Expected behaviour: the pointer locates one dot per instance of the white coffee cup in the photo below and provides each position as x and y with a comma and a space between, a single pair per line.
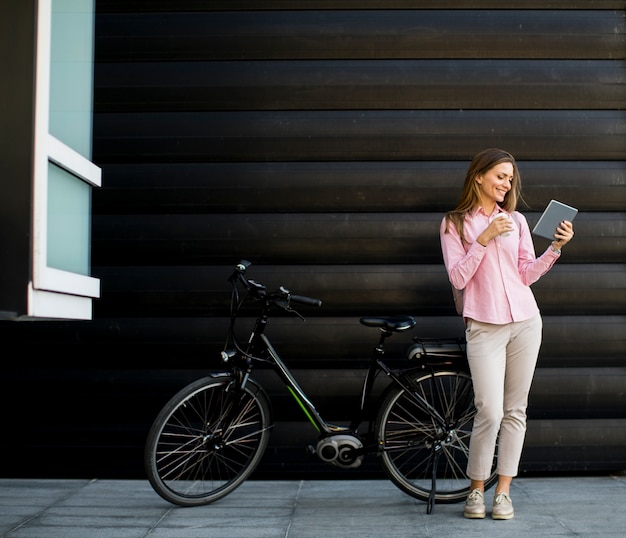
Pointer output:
503, 216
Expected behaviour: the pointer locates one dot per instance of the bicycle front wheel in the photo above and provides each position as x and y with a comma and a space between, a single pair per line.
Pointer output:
207, 440
416, 451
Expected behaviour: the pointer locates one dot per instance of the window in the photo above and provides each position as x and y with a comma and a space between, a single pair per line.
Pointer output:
64, 175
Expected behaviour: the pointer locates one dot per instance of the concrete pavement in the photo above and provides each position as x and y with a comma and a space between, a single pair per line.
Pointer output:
548, 506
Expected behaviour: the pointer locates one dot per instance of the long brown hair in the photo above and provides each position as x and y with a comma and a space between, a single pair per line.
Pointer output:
470, 196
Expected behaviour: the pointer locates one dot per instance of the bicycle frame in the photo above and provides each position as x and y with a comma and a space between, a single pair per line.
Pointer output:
258, 338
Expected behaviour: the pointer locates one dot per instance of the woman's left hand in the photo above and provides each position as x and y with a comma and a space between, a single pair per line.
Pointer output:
564, 234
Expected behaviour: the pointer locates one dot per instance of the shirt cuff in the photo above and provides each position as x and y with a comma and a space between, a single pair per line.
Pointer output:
554, 252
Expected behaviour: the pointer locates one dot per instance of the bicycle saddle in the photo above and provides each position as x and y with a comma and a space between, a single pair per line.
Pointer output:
390, 323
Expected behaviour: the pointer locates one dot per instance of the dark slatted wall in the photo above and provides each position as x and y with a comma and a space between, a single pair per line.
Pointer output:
323, 141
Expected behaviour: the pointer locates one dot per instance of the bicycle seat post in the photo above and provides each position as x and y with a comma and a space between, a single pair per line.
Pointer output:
379, 350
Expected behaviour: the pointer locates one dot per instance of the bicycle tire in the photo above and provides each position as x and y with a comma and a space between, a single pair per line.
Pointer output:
410, 440
197, 450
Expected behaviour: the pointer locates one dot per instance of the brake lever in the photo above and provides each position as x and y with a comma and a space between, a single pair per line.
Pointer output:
289, 309
284, 304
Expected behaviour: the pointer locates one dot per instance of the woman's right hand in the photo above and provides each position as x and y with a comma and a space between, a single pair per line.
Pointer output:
498, 226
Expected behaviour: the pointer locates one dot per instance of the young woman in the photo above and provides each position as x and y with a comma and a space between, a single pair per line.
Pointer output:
489, 254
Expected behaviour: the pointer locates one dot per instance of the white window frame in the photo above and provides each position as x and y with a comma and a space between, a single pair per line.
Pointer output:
53, 292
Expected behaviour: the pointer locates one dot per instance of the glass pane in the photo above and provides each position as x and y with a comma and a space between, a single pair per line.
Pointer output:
71, 73
69, 221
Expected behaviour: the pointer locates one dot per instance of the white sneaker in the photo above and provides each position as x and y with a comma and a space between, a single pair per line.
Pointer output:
475, 505
502, 507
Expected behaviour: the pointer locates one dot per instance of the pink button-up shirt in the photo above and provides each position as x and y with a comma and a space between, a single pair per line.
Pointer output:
496, 278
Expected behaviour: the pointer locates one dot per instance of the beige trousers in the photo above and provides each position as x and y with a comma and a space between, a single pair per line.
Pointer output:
502, 361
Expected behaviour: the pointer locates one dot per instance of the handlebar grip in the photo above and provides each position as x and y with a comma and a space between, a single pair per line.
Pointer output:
305, 300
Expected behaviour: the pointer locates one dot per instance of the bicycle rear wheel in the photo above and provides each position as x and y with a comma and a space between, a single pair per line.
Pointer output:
413, 443
206, 441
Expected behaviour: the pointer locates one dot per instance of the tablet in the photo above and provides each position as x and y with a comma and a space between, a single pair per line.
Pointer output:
552, 216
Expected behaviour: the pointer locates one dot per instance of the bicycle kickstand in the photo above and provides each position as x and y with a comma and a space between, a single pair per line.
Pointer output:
433, 481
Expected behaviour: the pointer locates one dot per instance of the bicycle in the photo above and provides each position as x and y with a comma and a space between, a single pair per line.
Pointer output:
211, 435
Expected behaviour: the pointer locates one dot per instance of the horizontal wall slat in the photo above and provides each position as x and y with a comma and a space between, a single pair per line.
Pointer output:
554, 394
582, 393
586, 445
341, 85
313, 238
187, 343
303, 187
550, 446
133, 6
365, 34
583, 289
355, 135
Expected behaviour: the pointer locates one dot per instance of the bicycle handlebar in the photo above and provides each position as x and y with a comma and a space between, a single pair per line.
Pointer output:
260, 292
